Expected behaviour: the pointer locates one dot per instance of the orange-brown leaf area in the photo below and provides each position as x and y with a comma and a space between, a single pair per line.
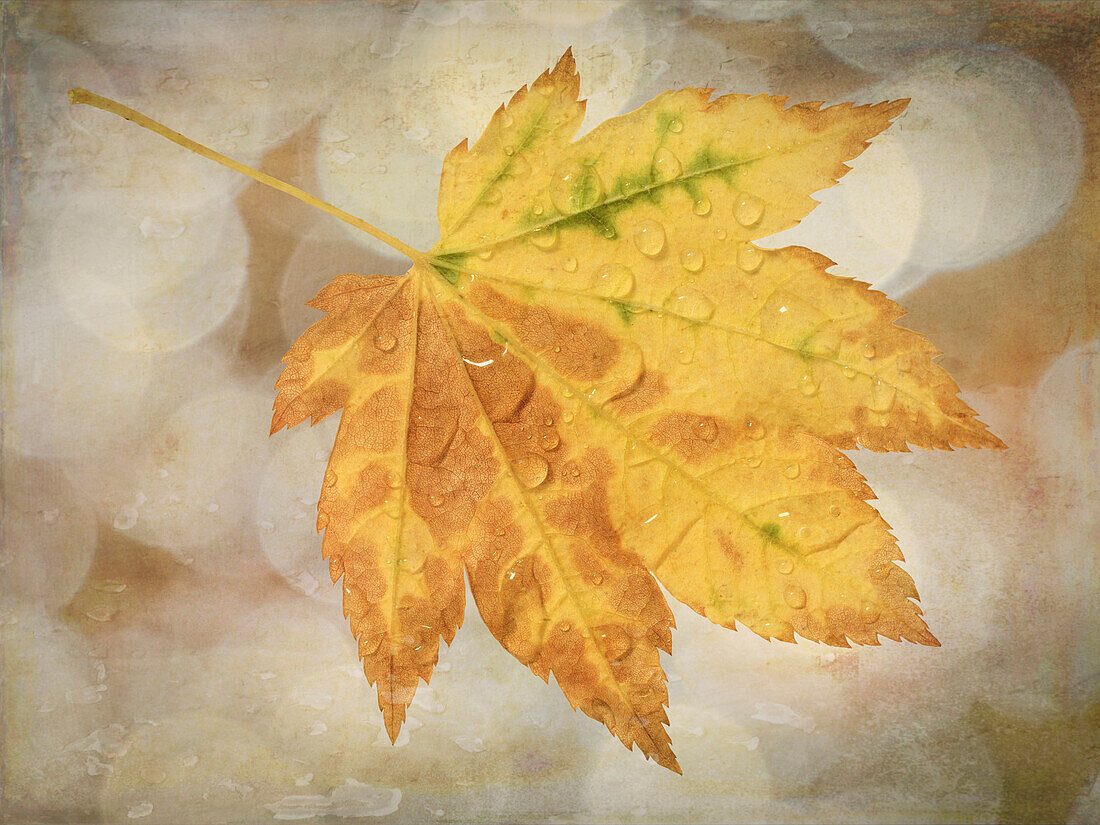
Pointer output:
596, 381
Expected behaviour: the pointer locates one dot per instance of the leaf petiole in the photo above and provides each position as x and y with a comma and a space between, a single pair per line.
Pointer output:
114, 107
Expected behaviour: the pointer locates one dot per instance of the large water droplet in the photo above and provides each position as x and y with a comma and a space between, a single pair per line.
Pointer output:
613, 281
808, 386
649, 237
692, 260
868, 350
690, 303
575, 187
666, 166
882, 396
701, 207
748, 209
795, 597
550, 440
531, 470
545, 238
676, 125
791, 470
784, 566
749, 257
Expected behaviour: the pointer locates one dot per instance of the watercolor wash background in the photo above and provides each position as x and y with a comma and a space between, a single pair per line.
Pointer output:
172, 648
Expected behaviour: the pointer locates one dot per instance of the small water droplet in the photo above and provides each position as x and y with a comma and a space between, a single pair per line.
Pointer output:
506, 119
754, 429
808, 386
754, 461
538, 209
436, 501
565, 627
707, 429
511, 574
548, 421
486, 253
545, 238
613, 281
795, 597
597, 579
393, 481
850, 372
834, 511
666, 166
550, 440
649, 237
879, 571
531, 470
784, 566
701, 207
803, 533
384, 341
509, 150
676, 125
868, 351
720, 234
749, 257
685, 355
791, 470
882, 396
690, 303
575, 187
569, 265
869, 612
748, 209
498, 531
692, 260
567, 417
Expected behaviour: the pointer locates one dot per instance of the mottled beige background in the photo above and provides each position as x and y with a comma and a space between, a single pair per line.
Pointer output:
172, 649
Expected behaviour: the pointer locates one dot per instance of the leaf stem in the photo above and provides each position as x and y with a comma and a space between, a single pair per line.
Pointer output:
114, 107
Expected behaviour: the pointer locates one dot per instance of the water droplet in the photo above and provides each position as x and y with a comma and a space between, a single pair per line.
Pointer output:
692, 260
701, 207
575, 187
795, 597
748, 209
690, 303
649, 237
567, 417
882, 396
834, 511
531, 470
676, 125
868, 351
685, 355
808, 386
486, 253
613, 281
784, 566
749, 257
879, 571
754, 429
506, 119
548, 421
498, 531
545, 238
384, 341
565, 627
754, 461
550, 440
538, 209
850, 372
511, 574
436, 501
393, 481
707, 429
509, 150
720, 234
569, 265
791, 470
666, 166
597, 579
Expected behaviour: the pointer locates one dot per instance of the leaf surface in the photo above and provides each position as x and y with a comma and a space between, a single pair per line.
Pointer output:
596, 381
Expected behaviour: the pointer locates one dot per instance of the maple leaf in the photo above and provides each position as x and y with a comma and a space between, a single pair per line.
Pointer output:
595, 381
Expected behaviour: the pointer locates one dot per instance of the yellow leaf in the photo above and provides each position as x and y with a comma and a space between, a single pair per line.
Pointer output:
596, 378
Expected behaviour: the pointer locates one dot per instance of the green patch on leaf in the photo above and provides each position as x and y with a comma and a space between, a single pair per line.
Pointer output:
626, 314
770, 530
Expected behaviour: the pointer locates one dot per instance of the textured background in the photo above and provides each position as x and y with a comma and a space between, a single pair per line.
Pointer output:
172, 648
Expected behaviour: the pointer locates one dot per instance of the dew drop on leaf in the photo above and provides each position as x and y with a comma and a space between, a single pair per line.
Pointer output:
850, 372
707, 430
692, 260
531, 470
749, 257
869, 612
754, 429
808, 386
545, 238
784, 566
550, 440
384, 341
486, 253
569, 265
676, 125
720, 234
748, 209
690, 303
834, 511
868, 351
795, 597
701, 207
649, 237
882, 396
575, 187
791, 470
613, 280
565, 627
666, 166
435, 501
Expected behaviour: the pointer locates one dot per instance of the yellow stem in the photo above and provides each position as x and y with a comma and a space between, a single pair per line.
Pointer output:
116, 108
